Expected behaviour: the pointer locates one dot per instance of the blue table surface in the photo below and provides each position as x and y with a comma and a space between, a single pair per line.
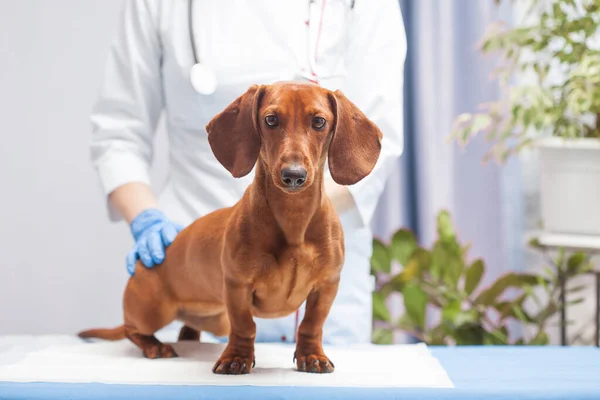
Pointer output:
506, 373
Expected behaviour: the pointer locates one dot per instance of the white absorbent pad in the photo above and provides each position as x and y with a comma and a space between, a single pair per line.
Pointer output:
122, 363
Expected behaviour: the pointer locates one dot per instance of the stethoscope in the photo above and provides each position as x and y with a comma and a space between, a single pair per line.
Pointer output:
203, 78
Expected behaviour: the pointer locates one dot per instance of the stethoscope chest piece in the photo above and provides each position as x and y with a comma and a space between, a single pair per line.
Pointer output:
203, 79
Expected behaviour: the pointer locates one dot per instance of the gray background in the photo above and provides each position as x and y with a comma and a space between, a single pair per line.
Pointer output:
62, 263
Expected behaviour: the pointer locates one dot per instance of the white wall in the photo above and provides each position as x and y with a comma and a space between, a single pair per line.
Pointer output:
62, 264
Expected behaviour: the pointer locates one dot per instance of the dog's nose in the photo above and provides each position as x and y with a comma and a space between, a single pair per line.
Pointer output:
293, 176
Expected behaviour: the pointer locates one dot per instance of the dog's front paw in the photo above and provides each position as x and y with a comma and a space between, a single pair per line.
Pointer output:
314, 363
233, 365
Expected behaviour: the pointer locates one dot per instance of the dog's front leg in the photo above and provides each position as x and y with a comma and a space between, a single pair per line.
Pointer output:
238, 357
309, 353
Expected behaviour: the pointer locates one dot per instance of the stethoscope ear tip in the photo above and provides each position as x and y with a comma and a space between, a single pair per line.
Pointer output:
203, 79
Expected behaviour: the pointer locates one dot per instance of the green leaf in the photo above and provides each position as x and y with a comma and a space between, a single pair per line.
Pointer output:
380, 310
406, 323
576, 301
396, 284
468, 335
575, 263
560, 259
576, 289
444, 226
550, 273
551, 309
467, 317
436, 336
438, 257
455, 268
380, 260
527, 117
419, 261
447, 262
403, 245
436, 297
383, 336
496, 336
543, 282
480, 122
447, 256
535, 243
491, 294
415, 302
473, 276
558, 13
540, 339
532, 294
465, 249
521, 315
504, 308
517, 112
451, 311
513, 309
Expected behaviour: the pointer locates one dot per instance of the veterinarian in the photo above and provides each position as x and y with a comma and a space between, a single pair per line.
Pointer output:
188, 59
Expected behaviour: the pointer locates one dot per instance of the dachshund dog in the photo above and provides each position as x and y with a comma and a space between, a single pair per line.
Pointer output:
282, 244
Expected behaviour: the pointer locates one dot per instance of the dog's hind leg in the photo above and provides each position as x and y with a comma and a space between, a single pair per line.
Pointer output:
188, 333
217, 324
203, 317
148, 308
140, 328
150, 345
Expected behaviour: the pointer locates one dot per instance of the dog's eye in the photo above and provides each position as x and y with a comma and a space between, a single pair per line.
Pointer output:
319, 122
271, 120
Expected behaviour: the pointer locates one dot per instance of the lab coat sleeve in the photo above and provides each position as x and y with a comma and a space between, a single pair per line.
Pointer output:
376, 55
126, 113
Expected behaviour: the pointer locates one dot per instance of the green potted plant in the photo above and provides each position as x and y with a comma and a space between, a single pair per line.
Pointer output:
550, 78
446, 301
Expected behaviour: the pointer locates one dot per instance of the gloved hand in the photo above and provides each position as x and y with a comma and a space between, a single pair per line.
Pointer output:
152, 232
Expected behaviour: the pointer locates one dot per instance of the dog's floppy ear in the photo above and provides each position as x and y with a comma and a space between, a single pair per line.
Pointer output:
355, 144
233, 134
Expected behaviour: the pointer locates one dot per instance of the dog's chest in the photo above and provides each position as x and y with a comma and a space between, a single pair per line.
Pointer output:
286, 280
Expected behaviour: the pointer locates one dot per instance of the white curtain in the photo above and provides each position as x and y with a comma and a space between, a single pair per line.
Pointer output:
447, 75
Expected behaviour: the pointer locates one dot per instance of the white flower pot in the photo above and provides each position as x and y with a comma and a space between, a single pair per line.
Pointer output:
570, 185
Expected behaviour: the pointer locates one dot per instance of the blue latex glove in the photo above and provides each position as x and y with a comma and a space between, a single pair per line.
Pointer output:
152, 232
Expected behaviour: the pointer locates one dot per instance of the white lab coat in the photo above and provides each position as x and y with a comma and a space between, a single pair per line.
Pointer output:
360, 51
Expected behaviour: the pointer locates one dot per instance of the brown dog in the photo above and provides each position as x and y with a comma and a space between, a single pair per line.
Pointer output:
280, 245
